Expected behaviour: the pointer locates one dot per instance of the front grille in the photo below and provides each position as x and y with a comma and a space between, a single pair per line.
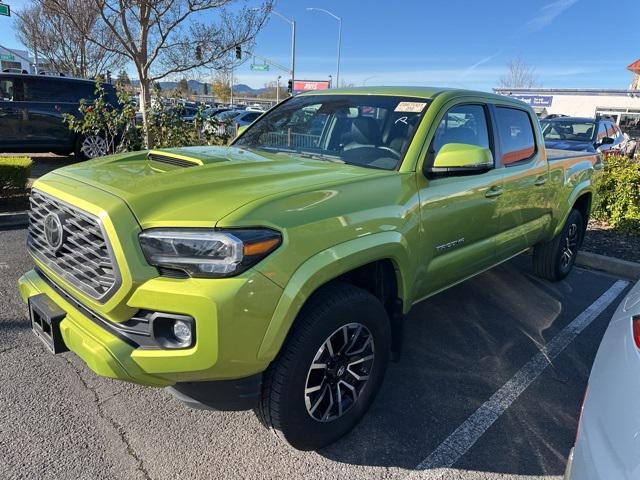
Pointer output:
83, 257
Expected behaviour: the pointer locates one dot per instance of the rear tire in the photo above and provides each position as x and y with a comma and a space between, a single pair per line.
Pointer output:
338, 349
553, 260
90, 146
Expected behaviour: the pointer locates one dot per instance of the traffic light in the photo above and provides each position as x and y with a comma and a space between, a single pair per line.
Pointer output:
290, 87
238, 52
198, 53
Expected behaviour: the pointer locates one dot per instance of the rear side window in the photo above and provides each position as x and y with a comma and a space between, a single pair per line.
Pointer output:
463, 124
56, 90
516, 135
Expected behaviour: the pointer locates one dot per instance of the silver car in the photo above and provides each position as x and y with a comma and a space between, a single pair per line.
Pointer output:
608, 441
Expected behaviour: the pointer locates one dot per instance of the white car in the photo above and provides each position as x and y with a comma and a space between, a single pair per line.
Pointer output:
608, 440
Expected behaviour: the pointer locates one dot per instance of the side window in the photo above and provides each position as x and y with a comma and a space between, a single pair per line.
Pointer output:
7, 91
40, 90
250, 117
463, 124
517, 140
602, 131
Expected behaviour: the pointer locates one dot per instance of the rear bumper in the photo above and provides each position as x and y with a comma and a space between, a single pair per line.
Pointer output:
227, 338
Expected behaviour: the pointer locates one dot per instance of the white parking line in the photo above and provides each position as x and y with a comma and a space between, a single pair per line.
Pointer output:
437, 464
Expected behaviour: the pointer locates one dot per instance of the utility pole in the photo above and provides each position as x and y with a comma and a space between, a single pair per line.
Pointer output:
278, 89
231, 82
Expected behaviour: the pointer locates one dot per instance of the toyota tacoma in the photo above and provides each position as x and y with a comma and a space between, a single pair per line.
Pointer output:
275, 274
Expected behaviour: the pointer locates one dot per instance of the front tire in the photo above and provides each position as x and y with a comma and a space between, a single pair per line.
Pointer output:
554, 259
328, 370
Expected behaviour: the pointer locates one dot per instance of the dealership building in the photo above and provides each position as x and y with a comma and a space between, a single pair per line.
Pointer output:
15, 60
621, 105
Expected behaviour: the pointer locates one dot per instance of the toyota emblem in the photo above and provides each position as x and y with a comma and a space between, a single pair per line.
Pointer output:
53, 232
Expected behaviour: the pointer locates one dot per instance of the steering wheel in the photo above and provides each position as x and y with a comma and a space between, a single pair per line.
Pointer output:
393, 151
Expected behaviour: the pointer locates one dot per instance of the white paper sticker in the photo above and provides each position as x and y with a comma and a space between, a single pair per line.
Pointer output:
410, 107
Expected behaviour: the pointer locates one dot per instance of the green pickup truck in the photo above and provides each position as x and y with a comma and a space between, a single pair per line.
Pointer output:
276, 273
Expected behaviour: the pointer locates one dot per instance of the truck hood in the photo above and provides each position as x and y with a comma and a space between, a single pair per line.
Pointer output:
198, 186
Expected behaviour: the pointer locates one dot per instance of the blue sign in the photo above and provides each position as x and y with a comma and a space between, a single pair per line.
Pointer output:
536, 100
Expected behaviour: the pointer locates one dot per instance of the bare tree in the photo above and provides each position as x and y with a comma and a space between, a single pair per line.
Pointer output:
520, 75
165, 37
63, 44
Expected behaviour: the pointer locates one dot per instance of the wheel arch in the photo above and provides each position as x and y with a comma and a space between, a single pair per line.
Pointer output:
583, 204
377, 263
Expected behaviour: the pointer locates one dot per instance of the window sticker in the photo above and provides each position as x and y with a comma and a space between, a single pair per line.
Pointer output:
410, 107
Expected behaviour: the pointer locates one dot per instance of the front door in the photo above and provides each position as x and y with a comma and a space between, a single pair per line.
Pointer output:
458, 213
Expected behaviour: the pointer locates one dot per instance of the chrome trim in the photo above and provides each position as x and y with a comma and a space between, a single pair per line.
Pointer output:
86, 259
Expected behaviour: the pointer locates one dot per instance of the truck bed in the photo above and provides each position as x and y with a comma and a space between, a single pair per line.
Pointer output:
555, 154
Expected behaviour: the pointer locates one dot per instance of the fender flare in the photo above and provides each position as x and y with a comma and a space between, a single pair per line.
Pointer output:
583, 188
326, 266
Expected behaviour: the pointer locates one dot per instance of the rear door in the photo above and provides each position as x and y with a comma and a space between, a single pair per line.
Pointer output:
524, 209
47, 99
457, 212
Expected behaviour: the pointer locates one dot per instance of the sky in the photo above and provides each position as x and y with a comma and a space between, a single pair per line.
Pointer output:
458, 43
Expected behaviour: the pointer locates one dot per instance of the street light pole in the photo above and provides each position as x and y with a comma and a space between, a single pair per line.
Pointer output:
293, 43
278, 89
339, 38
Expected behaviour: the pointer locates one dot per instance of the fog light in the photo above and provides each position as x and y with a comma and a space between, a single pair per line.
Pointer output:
182, 331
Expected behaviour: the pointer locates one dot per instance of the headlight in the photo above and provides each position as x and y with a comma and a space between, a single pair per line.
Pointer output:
208, 253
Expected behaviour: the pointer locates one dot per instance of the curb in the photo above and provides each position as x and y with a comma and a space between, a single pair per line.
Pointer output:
611, 265
14, 219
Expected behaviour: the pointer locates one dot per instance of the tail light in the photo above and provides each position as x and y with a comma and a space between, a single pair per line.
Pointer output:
635, 321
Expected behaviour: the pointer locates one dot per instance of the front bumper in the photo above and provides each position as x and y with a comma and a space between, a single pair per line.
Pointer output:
231, 316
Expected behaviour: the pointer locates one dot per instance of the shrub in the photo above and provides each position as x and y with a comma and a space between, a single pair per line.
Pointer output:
116, 124
14, 173
617, 199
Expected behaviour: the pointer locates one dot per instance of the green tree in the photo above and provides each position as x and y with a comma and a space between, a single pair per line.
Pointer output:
182, 88
123, 80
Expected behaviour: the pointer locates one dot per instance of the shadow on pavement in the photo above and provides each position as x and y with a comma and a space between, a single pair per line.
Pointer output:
460, 347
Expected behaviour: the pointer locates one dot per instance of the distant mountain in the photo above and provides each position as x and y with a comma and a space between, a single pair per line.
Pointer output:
198, 87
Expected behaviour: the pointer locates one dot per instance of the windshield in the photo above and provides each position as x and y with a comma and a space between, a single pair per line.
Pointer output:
366, 130
227, 115
573, 131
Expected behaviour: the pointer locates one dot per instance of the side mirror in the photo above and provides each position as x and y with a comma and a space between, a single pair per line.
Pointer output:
462, 159
606, 141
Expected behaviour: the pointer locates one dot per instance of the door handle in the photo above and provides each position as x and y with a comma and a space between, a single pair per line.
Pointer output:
540, 181
494, 192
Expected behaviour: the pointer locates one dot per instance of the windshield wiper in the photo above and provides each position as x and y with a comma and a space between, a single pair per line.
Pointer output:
314, 156
320, 156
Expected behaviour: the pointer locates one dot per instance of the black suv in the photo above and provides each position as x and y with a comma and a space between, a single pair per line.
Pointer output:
582, 134
31, 108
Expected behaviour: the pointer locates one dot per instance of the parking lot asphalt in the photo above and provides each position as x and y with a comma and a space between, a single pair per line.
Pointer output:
58, 420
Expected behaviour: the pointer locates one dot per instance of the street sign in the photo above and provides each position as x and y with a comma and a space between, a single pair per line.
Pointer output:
8, 57
260, 68
5, 10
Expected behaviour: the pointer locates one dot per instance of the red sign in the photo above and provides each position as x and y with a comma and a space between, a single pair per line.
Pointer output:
300, 86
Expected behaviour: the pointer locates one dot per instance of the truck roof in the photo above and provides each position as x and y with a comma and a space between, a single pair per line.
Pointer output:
405, 91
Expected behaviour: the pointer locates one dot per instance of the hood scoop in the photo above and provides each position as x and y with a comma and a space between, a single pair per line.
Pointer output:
178, 161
